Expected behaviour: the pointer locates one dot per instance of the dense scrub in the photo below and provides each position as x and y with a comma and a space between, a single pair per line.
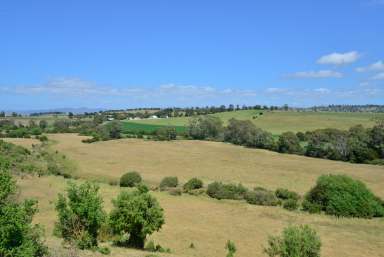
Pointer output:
192, 184
260, 196
130, 179
219, 191
80, 215
40, 160
18, 237
169, 182
295, 241
135, 215
341, 195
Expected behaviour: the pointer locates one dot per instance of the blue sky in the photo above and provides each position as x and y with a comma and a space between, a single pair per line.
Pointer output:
120, 54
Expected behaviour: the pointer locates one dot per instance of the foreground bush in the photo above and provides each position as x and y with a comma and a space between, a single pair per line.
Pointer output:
341, 195
192, 184
130, 179
18, 237
135, 215
80, 215
296, 241
169, 182
261, 197
219, 191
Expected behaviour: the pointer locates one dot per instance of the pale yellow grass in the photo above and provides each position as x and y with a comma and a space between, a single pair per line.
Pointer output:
207, 160
209, 223
24, 142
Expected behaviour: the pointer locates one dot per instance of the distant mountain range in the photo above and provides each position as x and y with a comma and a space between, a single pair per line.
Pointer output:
79, 110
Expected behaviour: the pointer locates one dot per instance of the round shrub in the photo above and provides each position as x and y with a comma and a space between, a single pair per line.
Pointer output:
169, 182
136, 213
130, 179
192, 184
219, 191
341, 195
285, 194
298, 241
291, 204
261, 197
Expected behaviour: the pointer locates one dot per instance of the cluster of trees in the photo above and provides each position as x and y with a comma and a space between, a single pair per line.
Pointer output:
81, 217
144, 113
358, 144
347, 108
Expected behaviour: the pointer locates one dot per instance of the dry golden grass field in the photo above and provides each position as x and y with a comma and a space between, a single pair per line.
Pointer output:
206, 222
24, 142
209, 161
209, 223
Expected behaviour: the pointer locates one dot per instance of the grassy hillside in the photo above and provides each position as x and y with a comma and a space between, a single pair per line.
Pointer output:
210, 161
205, 222
209, 223
277, 121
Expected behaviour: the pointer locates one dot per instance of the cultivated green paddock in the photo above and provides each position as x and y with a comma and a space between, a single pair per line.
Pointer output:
277, 122
132, 127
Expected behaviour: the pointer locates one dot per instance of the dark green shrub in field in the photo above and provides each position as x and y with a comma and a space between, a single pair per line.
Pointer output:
341, 195
80, 215
231, 248
219, 191
192, 184
169, 182
136, 214
289, 143
130, 179
18, 237
291, 204
296, 241
285, 194
261, 197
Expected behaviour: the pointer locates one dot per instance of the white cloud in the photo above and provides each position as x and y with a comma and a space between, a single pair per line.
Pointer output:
315, 74
379, 76
377, 66
322, 90
339, 58
75, 87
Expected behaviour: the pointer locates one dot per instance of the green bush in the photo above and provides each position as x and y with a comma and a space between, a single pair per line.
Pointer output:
291, 204
219, 191
169, 182
289, 143
80, 215
285, 194
192, 184
130, 179
18, 237
296, 241
104, 250
261, 197
136, 214
231, 248
341, 195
